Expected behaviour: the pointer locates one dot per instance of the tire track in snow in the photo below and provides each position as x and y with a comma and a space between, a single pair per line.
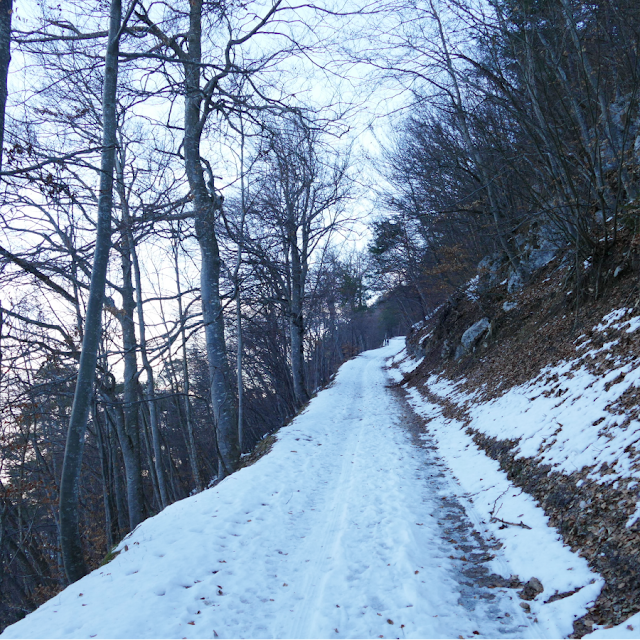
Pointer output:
328, 540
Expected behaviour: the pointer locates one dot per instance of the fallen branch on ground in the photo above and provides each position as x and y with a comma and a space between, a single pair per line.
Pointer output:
513, 524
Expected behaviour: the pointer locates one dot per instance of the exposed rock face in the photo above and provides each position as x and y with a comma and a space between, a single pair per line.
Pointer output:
542, 256
473, 334
515, 282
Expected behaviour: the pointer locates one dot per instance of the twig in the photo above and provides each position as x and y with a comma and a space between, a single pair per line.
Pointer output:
513, 524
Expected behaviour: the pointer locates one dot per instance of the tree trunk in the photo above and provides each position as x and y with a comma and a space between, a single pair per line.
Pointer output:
193, 457
70, 542
150, 391
243, 205
296, 326
6, 11
205, 206
130, 435
106, 484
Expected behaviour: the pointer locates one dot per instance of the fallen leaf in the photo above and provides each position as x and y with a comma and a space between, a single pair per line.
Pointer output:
389, 621
416, 572
192, 622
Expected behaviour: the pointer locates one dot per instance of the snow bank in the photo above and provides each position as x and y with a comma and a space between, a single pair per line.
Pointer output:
535, 551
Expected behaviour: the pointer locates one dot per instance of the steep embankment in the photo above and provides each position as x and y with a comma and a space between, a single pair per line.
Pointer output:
547, 385
352, 526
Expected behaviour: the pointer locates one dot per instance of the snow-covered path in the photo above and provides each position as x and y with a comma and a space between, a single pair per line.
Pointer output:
338, 532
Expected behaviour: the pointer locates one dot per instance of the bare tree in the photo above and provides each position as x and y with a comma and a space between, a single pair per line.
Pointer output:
302, 192
75, 566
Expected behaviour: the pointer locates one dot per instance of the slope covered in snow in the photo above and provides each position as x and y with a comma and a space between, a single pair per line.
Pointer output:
568, 436
345, 529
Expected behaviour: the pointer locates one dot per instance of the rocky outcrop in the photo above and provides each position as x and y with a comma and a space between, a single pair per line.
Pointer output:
471, 336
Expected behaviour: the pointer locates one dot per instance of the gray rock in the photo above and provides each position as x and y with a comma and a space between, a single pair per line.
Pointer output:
489, 270
473, 334
531, 589
542, 256
515, 282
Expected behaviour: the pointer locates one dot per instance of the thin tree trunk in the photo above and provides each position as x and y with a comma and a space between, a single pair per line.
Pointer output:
152, 467
118, 489
239, 382
106, 483
193, 456
70, 542
6, 11
150, 390
296, 328
130, 436
117, 496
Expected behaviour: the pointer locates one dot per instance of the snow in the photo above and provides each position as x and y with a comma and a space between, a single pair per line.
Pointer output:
610, 321
472, 289
563, 416
634, 517
536, 552
319, 535
566, 418
333, 534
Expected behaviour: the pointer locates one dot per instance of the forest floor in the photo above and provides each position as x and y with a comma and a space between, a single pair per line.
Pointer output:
357, 523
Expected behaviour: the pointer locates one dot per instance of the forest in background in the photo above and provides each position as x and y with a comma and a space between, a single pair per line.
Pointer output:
177, 258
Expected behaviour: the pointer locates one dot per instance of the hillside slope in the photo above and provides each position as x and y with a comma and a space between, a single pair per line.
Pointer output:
545, 381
